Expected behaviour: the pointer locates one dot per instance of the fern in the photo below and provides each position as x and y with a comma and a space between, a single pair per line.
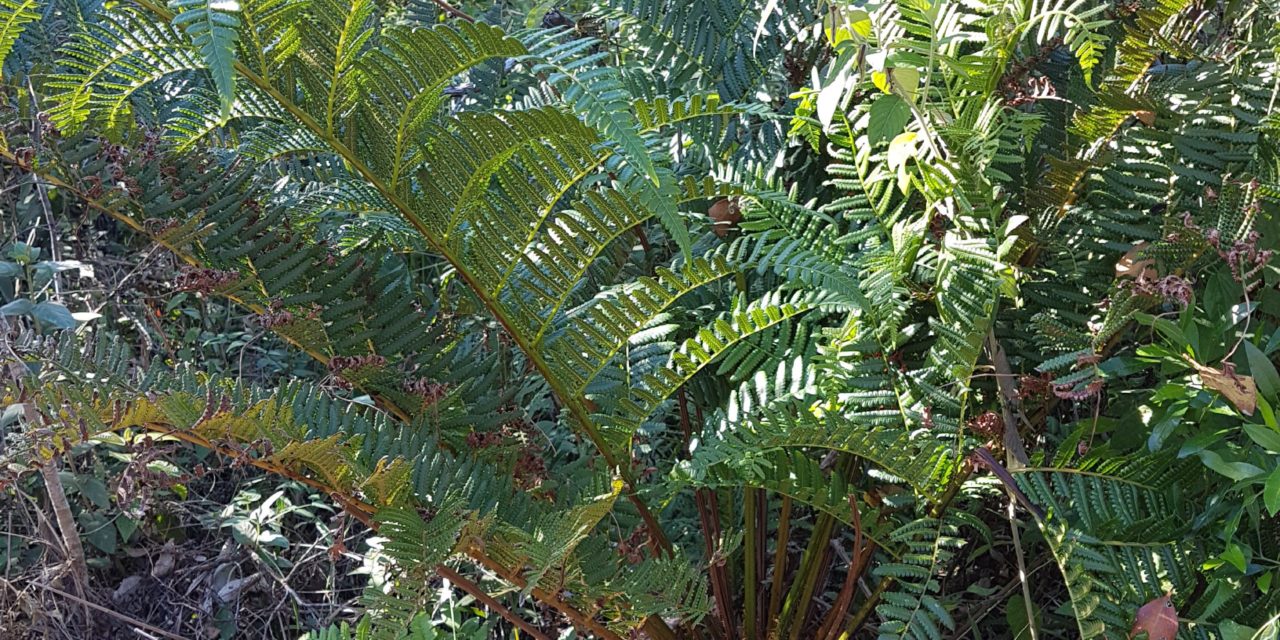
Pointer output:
14, 16
213, 29
913, 608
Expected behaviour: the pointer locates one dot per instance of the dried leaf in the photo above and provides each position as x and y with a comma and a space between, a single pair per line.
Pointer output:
1145, 117
1131, 265
725, 214
1237, 389
1157, 618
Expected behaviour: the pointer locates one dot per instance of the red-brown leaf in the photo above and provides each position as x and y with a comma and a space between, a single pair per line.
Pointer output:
1157, 618
724, 215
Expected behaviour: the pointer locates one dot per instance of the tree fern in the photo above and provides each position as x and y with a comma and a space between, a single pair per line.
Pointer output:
213, 29
14, 16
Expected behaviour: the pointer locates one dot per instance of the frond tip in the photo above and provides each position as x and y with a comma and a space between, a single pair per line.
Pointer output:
212, 27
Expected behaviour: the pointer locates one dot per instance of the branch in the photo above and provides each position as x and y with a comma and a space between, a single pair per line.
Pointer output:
453, 11
1013, 446
479, 594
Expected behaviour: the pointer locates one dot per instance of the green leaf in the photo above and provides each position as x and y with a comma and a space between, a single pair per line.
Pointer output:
99, 531
829, 99
1234, 555
1271, 492
901, 149
1266, 438
1235, 470
53, 315
8, 269
19, 307
906, 82
1264, 373
889, 114
1020, 623
126, 526
96, 491
1229, 630
213, 30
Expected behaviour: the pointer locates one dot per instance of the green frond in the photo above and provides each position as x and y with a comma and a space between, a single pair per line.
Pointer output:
592, 89
912, 608
696, 353
109, 62
923, 460
214, 30
597, 331
1117, 535
15, 15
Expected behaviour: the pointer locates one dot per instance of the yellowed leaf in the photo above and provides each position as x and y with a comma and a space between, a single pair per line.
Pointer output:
881, 80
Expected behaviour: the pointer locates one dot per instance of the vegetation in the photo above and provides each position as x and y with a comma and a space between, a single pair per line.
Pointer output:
643, 318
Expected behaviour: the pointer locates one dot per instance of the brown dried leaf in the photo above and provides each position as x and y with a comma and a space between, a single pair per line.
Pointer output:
1157, 618
1237, 389
1131, 266
1145, 117
725, 214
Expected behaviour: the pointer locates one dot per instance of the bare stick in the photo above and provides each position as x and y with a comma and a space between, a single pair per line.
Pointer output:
115, 614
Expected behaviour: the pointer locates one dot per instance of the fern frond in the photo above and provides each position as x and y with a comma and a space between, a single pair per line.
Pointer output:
15, 15
214, 30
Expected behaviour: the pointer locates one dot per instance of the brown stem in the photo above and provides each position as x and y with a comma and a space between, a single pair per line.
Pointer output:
984, 457
453, 11
66, 524
869, 605
579, 619
796, 606
861, 554
479, 594
755, 505
1013, 446
783, 538
709, 516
